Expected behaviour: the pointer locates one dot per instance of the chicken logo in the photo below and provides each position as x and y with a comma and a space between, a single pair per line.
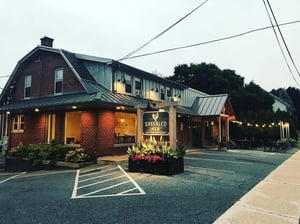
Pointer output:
155, 116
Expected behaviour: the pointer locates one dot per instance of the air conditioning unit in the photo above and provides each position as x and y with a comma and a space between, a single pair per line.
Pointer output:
169, 99
139, 92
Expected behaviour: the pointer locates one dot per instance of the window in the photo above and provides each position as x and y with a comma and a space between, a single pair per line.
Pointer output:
138, 87
128, 86
162, 93
58, 83
50, 127
125, 128
168, 92
27, 86
18, 123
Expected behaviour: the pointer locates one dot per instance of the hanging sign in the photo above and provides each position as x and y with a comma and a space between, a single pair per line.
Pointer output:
155, 123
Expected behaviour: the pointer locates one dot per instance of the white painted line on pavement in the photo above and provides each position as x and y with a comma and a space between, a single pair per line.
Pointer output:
93, 194
204, 168
132, 180
217, 160
90, 172
12, 177
100, 182
96, 177
75, 185
103, 189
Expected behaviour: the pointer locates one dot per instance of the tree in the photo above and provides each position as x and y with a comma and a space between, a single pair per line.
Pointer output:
250, 102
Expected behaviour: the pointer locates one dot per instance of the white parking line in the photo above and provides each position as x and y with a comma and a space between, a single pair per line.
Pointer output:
209, 169
12, 177
218, 160
97, 187
132, 180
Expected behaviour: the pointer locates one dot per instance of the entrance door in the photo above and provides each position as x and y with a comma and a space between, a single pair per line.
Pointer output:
196, 134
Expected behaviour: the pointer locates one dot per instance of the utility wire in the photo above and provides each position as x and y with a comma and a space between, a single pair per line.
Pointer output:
287, 49
211, 41
278, 41
161, 33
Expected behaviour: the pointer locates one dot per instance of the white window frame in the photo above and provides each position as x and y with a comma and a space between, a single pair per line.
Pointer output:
58, 77
18, 124
27, 84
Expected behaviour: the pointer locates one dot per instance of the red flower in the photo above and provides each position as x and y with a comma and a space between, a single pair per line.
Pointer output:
136, 157
147, 157
155, 158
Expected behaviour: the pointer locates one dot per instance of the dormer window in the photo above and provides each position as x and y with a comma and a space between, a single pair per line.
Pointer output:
58, 82
27, 86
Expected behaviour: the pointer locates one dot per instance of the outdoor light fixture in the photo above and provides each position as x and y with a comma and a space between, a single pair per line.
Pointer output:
74, 107
36, 109
8, 112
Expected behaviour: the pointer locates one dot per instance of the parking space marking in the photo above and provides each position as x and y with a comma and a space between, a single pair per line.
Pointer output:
209, 169
218, 160
106, 181
12, 177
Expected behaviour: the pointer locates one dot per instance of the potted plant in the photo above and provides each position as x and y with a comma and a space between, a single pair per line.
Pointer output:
152, 156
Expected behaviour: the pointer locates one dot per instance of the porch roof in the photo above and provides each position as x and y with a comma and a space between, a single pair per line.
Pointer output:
212, 105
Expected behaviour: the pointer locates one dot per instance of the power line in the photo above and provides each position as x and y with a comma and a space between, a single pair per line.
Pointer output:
285, 44
211, 41
161, 33
278, 41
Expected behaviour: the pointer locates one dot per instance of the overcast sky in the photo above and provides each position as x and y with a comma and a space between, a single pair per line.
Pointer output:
113, 28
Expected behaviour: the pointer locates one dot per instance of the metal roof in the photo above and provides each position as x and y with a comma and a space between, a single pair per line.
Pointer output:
98, 96
209, 105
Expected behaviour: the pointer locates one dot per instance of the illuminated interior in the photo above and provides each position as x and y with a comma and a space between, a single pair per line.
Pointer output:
72, 128
124, 127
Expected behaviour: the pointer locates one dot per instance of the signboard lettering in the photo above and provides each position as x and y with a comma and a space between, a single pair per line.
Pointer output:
155, 123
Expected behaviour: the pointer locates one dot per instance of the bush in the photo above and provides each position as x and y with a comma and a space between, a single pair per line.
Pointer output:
20, 151
77, 156
36, 153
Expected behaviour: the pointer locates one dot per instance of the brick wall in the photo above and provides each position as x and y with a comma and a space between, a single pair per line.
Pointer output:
106, 127
34, 130
42, 72
89, 131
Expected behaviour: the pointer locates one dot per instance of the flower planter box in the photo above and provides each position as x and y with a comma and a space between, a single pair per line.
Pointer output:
169, 166
16, 165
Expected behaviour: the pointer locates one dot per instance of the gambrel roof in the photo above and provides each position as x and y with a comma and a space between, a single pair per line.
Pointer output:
95, 94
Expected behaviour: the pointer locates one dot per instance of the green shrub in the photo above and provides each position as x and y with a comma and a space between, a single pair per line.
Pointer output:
77, 156
20, 151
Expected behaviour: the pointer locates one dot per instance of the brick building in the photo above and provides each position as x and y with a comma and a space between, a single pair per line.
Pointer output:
91, 102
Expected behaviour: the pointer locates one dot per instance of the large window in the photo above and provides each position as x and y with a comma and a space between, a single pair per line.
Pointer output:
18, 123
124, 128
50, 127
58, 82
72, 127
27, 86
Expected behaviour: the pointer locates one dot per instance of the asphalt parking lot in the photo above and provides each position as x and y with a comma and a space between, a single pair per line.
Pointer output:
211, 183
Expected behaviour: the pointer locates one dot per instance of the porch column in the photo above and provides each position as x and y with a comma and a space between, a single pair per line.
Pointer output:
139, 126
220, 129
203, 124
172, 126
227, 124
